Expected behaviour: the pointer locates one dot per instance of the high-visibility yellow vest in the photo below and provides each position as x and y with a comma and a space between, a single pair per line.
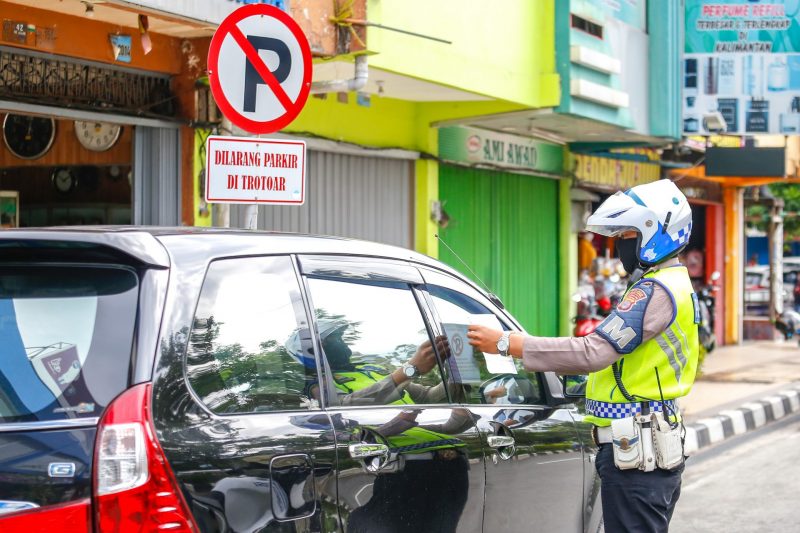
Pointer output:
673, 352
362, 377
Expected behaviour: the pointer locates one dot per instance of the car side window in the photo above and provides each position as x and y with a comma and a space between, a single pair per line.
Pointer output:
468, 367
368, 331
243, 353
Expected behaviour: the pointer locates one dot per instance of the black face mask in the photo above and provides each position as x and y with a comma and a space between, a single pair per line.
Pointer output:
338, 352
628, 253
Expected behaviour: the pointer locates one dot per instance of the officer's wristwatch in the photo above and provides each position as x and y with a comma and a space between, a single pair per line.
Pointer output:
410, 370
503, 343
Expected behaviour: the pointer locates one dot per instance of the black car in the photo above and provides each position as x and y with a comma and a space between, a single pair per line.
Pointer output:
180, 379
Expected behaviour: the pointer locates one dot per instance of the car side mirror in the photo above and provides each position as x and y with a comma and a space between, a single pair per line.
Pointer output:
507, 389
574, 386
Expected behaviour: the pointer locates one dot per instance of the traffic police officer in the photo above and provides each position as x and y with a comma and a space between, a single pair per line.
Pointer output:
641, 358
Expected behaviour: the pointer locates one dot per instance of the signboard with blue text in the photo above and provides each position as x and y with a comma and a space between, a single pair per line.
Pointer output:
742, 60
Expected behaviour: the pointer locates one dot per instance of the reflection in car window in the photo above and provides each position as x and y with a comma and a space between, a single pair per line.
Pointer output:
454, 307
65, 340
237, 361
367, 332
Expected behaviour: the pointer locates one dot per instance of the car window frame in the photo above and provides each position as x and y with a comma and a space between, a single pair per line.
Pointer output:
505, 320
304, 342
385, 271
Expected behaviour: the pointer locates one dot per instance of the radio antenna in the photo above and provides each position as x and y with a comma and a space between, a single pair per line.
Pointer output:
492, 296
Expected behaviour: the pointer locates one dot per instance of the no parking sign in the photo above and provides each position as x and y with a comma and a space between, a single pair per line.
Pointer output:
259, 68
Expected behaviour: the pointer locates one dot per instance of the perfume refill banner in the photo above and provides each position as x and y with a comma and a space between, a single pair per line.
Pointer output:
742, 59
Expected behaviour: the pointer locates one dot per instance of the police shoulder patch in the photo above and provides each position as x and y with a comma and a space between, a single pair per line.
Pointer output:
624, 327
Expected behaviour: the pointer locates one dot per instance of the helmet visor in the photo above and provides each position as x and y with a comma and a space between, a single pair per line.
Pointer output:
609, 231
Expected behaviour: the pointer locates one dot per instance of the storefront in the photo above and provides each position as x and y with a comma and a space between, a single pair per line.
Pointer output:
499, 196
89, 120
705, 253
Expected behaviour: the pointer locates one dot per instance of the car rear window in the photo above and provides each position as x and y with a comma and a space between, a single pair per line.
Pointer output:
66, 335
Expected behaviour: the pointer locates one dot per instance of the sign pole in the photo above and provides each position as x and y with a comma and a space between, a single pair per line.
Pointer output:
221, 212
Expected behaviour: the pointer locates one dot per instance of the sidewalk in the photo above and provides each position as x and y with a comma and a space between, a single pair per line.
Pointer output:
741, 388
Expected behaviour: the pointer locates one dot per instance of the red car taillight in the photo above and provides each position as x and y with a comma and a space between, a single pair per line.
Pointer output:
134, 488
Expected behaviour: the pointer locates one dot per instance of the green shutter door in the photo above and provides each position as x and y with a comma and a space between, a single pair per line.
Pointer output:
505, 226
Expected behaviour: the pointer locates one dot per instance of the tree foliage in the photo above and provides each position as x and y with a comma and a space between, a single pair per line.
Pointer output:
758, 214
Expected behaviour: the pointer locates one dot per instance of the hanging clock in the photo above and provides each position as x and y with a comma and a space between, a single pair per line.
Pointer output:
64, 180
97, 136
28, 137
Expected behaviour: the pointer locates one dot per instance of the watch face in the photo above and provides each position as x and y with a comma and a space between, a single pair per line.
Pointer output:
97, 136
28, 137
410, 371
502, 344
63, 180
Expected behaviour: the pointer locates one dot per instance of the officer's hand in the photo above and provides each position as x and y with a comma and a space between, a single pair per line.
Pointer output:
424, 359
483, 338
443, 347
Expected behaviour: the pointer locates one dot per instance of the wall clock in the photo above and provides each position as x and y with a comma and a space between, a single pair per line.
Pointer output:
64, 180
97, 136
28, 137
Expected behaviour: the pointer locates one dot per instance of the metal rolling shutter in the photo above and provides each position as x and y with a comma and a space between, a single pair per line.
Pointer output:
156, 186
349, 196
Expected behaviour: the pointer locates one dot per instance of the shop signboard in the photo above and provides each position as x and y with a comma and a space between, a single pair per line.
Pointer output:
610, 173
513, 152
742, 60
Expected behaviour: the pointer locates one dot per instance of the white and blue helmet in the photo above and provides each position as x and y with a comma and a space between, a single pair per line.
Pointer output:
326, 326
658, 211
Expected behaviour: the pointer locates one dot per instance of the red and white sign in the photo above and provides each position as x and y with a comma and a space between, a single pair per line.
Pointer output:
246, 170
259, 68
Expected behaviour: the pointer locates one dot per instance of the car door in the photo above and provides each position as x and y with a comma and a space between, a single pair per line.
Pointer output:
250, 449
533, 455
407, 459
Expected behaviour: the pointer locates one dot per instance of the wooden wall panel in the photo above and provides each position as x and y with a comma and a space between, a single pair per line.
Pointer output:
66, 150
89, 39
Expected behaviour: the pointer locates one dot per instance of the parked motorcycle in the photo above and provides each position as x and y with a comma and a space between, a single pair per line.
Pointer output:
596, 299
789, 324
706, 301
587, 317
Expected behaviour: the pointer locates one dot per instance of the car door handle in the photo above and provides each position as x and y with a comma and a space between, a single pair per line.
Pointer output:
364, 450
500, 441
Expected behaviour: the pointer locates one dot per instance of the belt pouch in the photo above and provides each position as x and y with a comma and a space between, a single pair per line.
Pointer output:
669, 444
627, 443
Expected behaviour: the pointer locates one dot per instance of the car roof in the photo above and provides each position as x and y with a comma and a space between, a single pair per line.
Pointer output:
150, 244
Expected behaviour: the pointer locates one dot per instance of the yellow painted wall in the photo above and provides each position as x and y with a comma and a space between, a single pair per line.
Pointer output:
504, 50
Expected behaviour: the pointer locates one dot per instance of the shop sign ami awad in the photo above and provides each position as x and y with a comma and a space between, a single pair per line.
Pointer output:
259, 65
742, 59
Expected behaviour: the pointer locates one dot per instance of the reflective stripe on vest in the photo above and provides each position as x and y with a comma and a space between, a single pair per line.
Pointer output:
674, 352
361, 378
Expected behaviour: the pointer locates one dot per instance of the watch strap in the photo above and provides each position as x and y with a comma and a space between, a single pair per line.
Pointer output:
506, 336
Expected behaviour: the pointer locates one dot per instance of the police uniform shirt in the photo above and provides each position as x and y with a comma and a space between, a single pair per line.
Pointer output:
582, 355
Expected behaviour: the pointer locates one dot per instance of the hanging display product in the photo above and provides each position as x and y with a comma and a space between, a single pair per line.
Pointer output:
28, 137
97, 136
